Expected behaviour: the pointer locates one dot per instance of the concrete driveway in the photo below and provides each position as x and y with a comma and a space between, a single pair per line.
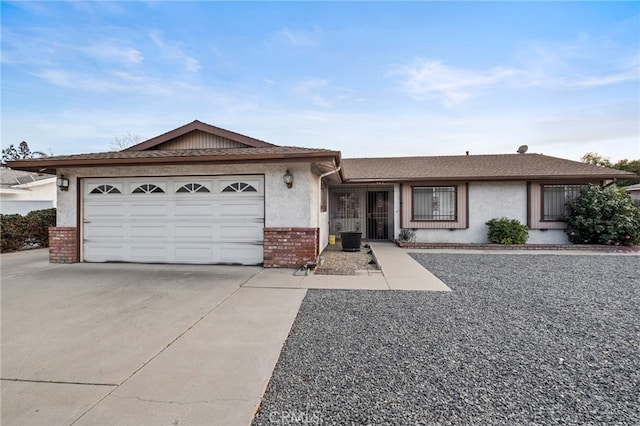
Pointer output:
136, 344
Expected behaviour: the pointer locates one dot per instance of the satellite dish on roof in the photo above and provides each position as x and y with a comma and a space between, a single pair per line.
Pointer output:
522, 149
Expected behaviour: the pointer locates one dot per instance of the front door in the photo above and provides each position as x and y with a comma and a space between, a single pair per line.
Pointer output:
378, 215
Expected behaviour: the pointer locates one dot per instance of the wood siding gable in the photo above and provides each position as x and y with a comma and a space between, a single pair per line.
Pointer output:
199, 140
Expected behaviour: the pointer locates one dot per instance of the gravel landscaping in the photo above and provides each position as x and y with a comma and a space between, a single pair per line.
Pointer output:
521, 339
334, 261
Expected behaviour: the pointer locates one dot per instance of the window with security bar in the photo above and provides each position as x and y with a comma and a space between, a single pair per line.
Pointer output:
434, 203
555, 199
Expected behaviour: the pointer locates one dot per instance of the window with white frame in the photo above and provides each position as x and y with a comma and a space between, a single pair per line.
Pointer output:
434, 203
555, 199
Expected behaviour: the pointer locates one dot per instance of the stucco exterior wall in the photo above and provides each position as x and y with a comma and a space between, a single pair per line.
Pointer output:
488, 200
284, 207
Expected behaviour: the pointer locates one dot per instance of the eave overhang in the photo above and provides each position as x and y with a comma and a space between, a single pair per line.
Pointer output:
52, 165
560, 177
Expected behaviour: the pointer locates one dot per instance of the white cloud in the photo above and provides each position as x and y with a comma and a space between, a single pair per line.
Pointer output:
70, 79
433, 79
319, 92
123, 82
623, 76
297, 38
174, 52
112, 51
310, 91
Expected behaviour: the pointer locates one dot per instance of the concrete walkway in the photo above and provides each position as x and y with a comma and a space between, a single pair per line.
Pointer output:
398, 272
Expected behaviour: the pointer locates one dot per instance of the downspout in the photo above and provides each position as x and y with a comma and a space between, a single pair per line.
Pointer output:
320, 189
320, 198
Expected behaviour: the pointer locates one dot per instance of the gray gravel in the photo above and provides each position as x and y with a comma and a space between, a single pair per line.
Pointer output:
521, 339
334, 261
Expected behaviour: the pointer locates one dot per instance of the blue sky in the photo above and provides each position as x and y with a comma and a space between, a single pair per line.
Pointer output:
368, 78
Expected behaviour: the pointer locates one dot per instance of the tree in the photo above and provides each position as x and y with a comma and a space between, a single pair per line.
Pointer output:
603, 216
123, 142
11, 153
596, 159
632, 166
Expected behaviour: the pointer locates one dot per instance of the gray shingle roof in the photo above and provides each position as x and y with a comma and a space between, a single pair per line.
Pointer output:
10, 177
473, 167
270, 153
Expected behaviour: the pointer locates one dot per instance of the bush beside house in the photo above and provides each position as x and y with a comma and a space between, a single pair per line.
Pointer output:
507, 231
603, 216
19, 232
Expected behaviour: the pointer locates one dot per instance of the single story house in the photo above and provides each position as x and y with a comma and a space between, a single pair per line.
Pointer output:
202, 194
22, 192
634, 191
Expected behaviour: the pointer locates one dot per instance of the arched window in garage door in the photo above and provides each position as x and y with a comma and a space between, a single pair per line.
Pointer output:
192, 188
105, 189
147, 188
239, 187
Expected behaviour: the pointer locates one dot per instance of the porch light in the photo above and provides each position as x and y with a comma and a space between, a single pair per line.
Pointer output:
288, 179
63, 183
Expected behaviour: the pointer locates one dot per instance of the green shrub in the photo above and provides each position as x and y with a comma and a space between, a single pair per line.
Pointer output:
30, 230
38, 223
603, 216
507, 231
407, 235
14, 230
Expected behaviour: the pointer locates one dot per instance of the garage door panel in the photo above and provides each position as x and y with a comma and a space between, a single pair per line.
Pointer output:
97, 209
184, 224
155, 209
196, 230
246, 208
105, 230
149, 230
241, 231
104, 252
194, 208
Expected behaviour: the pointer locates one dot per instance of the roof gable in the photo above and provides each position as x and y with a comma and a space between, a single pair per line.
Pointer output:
199, 135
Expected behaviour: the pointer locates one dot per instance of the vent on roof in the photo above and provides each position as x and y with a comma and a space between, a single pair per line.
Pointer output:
522, 149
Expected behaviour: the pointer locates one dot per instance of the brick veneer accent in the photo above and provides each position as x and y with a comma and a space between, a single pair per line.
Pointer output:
63, 245
290, 247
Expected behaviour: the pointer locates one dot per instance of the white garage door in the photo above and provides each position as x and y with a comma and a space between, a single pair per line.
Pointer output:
213, 219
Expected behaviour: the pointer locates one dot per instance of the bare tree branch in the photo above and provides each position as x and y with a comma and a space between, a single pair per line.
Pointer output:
123, 142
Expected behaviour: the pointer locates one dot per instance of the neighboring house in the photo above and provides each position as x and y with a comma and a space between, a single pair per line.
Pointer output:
22, 192
634, 191
201, 194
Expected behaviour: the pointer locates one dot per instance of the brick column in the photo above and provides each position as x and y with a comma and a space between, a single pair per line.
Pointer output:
63, 245
290, 247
